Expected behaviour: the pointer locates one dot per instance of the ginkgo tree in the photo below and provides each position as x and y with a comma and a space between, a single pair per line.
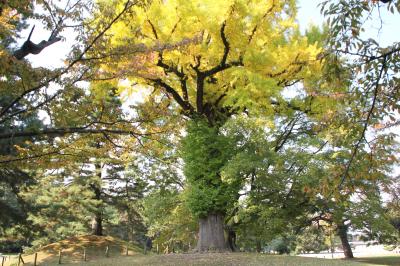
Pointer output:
210, 60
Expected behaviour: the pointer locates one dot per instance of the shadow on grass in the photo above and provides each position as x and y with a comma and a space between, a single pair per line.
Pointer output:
219, 259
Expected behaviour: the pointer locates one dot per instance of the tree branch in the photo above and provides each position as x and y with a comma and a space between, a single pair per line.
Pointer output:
223, 63
29, 157
180, 74
202, 75
75, 61
293, 107
283, 138
369, 115
185, 106
153, 29
253, 32
31, 48
65, 131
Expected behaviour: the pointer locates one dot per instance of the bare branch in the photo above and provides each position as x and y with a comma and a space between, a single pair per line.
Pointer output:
65, 131
185, 105
180, 74
31, 48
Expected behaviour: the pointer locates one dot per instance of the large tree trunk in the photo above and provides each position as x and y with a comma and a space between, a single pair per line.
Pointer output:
211, 233
342, 232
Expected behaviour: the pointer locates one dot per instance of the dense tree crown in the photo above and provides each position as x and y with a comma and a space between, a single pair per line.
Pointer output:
213, 58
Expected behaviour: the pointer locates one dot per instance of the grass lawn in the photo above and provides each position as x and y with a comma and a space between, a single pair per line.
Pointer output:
216, 259
384, 260
219, 259
95, 247
73, 249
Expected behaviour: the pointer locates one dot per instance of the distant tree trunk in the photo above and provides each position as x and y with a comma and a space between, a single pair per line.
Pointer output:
149, 243
258, 246
166, 251
97, 221
342, 232
232, 239
211, 233
97, 225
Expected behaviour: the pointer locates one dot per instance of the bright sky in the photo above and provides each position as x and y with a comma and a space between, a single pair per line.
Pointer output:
309, 13
386, 34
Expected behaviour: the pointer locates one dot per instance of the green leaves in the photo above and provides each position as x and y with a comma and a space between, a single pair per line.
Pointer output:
205, 151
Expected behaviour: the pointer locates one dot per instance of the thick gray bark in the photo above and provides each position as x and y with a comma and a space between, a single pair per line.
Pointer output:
211, 234
342, 232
